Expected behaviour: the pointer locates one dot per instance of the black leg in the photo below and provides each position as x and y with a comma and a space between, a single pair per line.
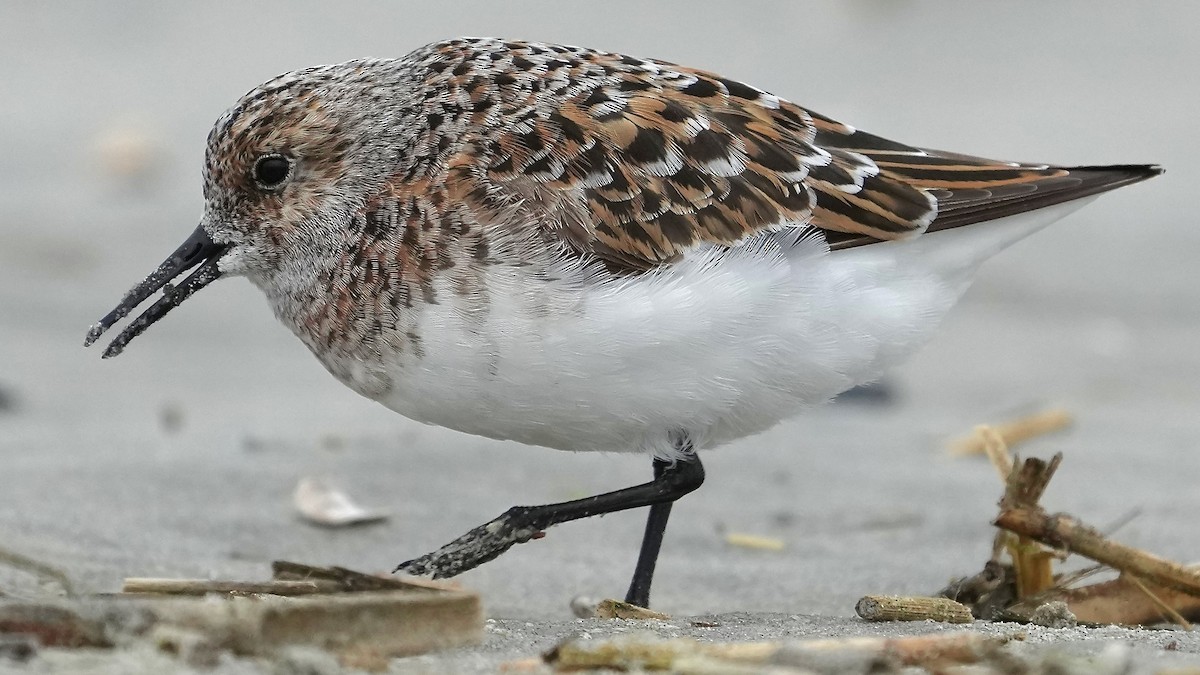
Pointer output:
521, 523
656, 526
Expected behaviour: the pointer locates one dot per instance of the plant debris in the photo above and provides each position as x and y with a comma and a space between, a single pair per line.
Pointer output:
1015, 431
914, 608
616, 609
841, 655
754, 541
1019, 581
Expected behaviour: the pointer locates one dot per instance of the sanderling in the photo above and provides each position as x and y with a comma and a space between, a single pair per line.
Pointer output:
590, 251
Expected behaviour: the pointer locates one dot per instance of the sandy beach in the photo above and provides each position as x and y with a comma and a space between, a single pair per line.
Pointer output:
179, 458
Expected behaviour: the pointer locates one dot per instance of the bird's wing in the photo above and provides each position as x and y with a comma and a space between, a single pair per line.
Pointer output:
971, 189
641, 161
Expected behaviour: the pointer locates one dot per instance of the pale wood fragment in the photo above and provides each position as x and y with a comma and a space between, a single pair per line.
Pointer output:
759, 542
365, 628
754, 541
934, 651
392, 623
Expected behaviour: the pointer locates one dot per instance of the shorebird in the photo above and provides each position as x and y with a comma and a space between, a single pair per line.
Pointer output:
590, 251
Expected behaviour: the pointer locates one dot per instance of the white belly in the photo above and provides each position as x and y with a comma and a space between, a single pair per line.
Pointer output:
718, 346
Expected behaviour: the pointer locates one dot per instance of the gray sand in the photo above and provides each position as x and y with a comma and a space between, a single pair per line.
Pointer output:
179, 458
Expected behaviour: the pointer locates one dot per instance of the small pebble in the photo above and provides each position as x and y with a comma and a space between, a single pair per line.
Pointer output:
1053, 615
584, 607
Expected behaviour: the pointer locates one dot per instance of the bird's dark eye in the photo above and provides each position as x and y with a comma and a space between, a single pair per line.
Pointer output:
271, 170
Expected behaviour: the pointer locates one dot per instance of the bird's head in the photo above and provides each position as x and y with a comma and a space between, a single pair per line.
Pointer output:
286, 170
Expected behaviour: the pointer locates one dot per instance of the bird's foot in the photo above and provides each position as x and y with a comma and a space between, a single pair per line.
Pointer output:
476, 547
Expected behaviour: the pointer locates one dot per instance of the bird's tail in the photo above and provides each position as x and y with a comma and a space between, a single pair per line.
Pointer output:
972, 190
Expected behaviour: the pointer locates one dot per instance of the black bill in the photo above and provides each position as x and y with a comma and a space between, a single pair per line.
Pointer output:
198, 250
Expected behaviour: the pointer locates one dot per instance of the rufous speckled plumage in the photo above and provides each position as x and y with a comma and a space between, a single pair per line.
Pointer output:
590, 251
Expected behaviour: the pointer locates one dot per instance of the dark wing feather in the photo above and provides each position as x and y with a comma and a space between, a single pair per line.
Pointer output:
971, 189
637, 161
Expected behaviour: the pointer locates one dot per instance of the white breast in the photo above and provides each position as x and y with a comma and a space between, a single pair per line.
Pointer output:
724, 344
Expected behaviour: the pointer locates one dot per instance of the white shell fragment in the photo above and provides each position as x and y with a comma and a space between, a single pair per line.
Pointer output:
321, 503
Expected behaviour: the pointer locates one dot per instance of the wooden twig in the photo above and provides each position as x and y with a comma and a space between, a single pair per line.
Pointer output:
1014, 432
913, 608
1027, 483
206, 586
1063, 531
996, 450
1024, 487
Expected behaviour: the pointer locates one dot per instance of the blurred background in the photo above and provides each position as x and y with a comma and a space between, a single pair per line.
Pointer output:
179, 458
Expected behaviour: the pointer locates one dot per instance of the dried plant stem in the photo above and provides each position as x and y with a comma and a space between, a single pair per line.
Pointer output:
1014, 432
912, 608
683, 655
1169, 610
1063, 531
